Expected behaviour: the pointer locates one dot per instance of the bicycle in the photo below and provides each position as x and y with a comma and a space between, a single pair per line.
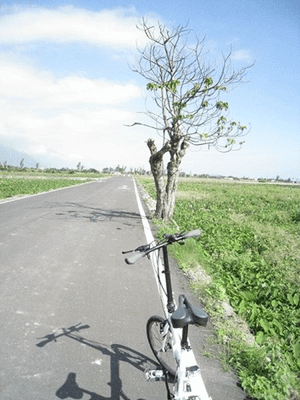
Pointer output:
168, 337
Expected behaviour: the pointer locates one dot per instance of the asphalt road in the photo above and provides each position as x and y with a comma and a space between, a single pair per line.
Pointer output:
73, 314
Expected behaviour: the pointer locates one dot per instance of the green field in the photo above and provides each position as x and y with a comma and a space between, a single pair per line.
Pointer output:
17, 185
250, 249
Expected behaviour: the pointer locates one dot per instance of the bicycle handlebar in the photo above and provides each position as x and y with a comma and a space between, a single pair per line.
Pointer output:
133, 259
147, 249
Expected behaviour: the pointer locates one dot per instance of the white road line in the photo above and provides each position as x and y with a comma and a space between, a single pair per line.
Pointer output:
154, 257
158, 268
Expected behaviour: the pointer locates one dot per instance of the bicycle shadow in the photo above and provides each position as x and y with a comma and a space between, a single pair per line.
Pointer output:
71, 390
118, 353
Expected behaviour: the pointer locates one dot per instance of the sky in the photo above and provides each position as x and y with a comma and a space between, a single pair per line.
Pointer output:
67, 89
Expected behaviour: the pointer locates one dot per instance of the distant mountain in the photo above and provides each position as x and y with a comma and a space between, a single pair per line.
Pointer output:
14, 157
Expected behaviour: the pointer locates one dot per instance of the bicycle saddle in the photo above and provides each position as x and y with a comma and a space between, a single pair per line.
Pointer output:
186, 314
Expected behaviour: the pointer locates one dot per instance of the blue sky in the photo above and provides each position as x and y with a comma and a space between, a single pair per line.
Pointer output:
67, 92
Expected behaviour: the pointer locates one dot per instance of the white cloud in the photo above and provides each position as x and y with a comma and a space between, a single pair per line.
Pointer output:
70, 116
97, 138
84, 90
27, 84
113, 28
242, 55
74, 118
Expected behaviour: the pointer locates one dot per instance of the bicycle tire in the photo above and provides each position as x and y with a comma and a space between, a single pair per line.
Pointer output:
154, 335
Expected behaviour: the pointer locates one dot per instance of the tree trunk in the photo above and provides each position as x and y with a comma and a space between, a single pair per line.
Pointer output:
156, 164
165, 193
170, 190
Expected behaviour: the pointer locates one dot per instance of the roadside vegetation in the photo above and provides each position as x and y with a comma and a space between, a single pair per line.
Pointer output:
18, 181
10, 187
249, 257
24, 181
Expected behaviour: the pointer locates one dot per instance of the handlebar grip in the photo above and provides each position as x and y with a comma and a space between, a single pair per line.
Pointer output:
196, 232
134, 258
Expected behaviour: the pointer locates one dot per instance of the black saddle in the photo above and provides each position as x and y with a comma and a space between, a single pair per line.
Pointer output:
187, 314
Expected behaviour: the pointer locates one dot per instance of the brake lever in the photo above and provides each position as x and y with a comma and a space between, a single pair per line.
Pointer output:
141, 249
127, 251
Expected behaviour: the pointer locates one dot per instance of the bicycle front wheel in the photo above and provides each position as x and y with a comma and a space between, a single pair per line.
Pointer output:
161, 346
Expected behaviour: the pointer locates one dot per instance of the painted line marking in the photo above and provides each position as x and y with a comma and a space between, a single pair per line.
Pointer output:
157, 269
154, 257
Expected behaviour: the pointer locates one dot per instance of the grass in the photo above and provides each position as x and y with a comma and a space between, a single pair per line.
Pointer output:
16, 184
250, 249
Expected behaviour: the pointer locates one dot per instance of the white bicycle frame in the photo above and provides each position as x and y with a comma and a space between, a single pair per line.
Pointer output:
189, 384
188, 380
188, 374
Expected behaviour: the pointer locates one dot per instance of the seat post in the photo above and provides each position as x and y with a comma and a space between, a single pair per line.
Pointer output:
184, 340
171, 304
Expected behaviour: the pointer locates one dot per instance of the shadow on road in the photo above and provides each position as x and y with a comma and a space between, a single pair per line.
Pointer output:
69, 332
93, 214
71, 390
117, 353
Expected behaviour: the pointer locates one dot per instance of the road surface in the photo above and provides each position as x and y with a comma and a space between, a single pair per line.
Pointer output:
73, 314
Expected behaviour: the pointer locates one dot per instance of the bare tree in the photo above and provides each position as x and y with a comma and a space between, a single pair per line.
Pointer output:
186, 89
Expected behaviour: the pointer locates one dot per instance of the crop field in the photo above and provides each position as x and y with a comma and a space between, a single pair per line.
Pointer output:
22, 185
250, 249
